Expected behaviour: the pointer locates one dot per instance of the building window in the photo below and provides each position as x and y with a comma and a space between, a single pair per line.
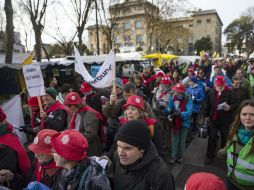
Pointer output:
208, 20
91, 46
91, 33
117, 39
199, 21
116, 26
190, 25
139, 38
138, 24
127, 25
127, 39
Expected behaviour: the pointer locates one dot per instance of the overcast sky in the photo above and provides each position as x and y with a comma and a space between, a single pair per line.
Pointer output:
228, 10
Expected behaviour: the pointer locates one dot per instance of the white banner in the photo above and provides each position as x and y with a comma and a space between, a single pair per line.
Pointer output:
104, 77
14, 115
34, 80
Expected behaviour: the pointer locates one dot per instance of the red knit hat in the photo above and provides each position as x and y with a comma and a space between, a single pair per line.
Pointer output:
191, 70
70, 145
135, 101
159, 74
33, 101
220, 81
72, 98
166, 80
2, 115
42, 141
179, 87
85, 87
204, 181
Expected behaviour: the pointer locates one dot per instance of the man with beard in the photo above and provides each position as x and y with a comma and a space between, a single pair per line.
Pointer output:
219, 106
55, 116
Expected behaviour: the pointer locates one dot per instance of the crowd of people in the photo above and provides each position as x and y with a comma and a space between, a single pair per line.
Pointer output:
120, 137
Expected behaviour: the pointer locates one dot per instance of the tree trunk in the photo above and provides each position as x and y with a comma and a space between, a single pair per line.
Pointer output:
9, 33
37, 33
80, 32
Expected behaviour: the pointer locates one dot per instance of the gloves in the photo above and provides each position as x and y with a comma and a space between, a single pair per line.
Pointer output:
27, 129
176, 113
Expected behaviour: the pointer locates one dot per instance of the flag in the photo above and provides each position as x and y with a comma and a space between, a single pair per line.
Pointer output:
28, 60
201, 54
14, 115
105, 75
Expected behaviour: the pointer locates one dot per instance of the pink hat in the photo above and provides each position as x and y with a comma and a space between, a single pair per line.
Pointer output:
2, 115
204, 181
70, 144
220, 81
135, 101
42, 141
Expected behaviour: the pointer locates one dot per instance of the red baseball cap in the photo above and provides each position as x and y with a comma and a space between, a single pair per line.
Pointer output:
135, 101
70, 145
42, 142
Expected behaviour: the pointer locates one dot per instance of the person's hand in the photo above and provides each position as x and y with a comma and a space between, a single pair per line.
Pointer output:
226, 107
6, 175
176, 113
113, 99
163, 104
43, 114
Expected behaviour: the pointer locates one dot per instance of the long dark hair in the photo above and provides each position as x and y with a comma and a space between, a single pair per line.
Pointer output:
237, 122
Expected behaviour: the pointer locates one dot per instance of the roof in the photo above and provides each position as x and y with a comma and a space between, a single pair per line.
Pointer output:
206, 12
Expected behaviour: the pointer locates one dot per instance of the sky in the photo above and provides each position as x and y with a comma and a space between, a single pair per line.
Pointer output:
228, 10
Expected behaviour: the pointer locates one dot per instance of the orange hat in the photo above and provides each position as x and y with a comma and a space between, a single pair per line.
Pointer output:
166, 80
207, 181
85, 87
72, 98
42, 141
135, 101
220, 81
33, 101
70, 145
2, 115
179, 87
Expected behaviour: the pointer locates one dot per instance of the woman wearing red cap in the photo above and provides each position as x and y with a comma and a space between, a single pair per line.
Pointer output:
14, 162
179, 109
46, 170
134, 109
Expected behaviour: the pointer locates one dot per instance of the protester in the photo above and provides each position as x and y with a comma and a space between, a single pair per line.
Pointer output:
90, 97
197, 95
141, 89
161, 96
86, 120
149, 81
219, 106
46, 170
245, 83
55, 116
179, 109
239, 149
204, 181
70, 152
14, 162
138, 165
218, 72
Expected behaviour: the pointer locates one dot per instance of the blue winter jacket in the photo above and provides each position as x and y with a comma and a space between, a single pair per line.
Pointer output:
185, 115
197, 95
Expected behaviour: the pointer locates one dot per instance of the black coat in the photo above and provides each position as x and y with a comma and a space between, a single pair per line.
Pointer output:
224, 117
56, 120
9, 161
149, 173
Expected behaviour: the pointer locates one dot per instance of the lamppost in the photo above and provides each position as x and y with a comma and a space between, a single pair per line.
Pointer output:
97, 28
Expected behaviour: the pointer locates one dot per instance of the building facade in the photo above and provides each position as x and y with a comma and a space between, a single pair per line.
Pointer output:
134, 22
17, 46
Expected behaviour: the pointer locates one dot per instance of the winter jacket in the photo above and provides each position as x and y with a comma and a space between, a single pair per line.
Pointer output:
224, 117
185, 115
94, 101
150, 172
197, 95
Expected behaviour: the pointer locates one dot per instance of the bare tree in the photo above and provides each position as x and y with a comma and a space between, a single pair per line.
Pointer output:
36, 9
81, 10
9, 32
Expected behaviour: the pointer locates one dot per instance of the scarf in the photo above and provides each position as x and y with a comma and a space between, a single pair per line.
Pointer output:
244, 135
217, 101
41, 169
56, 106
13, 142
177, 119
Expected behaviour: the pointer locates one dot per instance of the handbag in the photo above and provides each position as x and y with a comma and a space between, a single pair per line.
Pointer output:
203, 131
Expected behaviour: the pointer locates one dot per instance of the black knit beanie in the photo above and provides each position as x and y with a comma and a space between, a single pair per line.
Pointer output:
135, 133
